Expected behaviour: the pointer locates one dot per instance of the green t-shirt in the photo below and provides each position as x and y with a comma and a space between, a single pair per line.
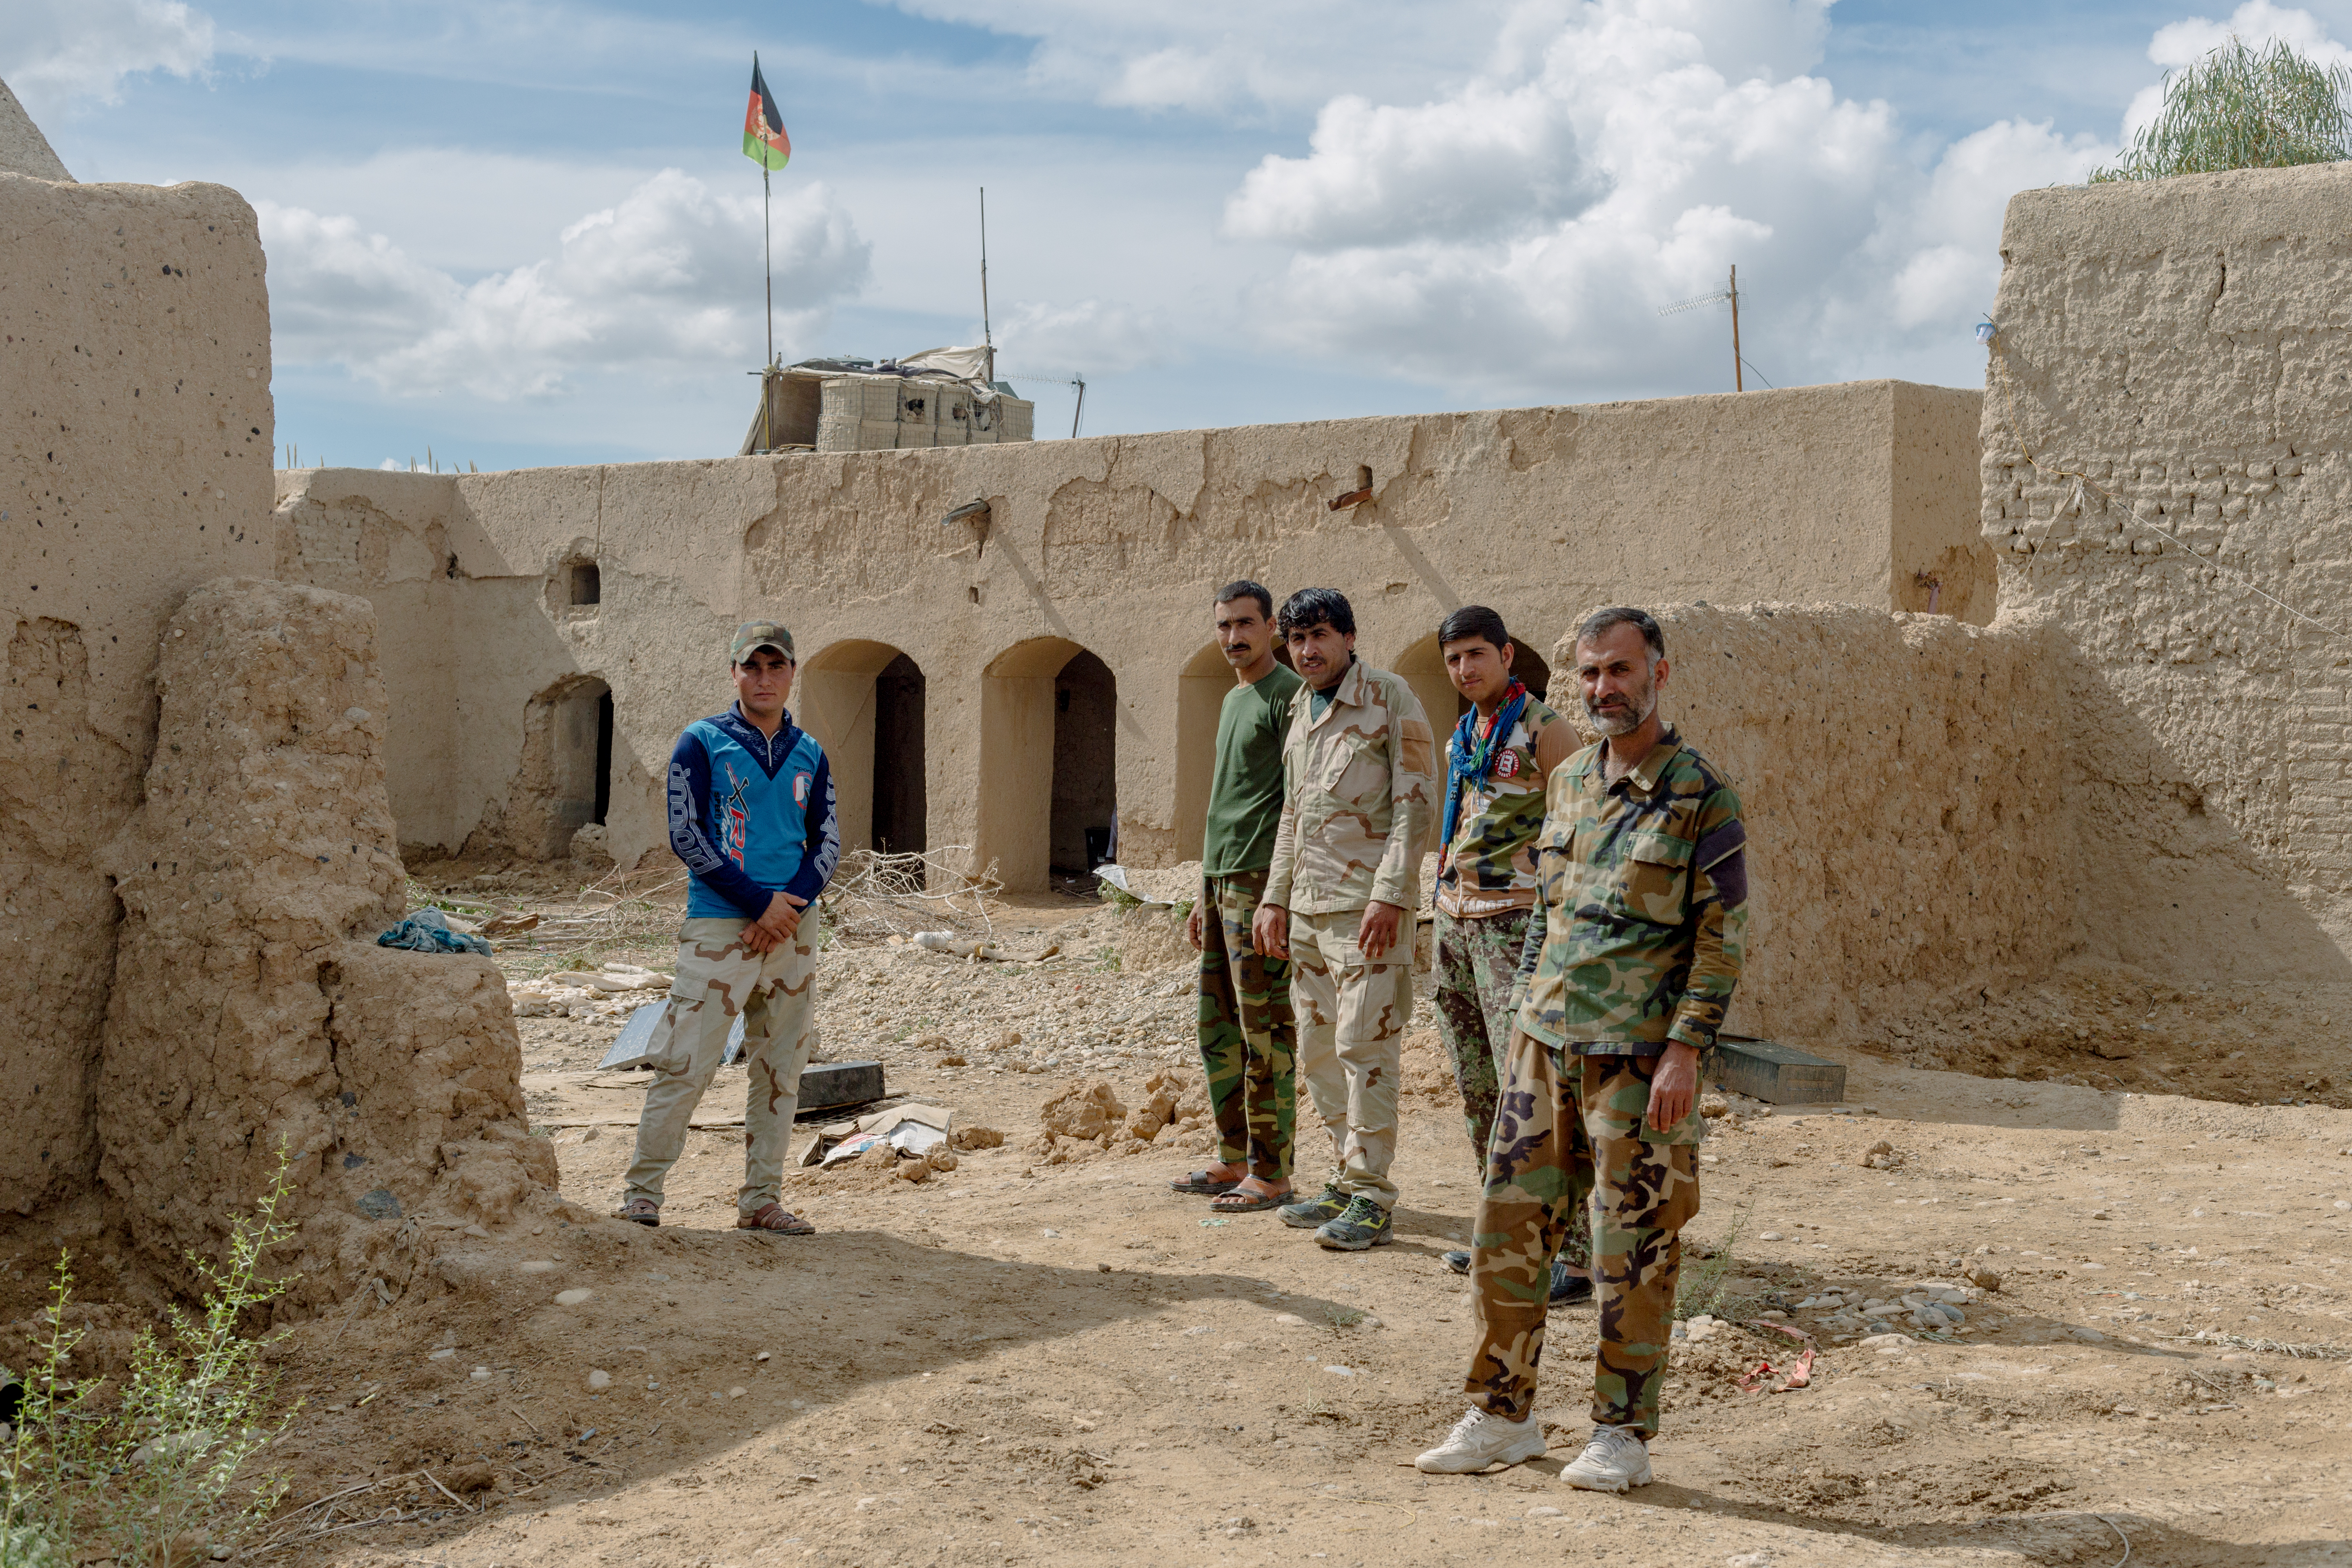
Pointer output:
1245, 795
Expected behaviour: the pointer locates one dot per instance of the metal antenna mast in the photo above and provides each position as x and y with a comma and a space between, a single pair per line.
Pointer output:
987, 337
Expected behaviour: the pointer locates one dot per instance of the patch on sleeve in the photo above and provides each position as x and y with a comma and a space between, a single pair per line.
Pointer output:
801, 782
1731, 836
1730, 876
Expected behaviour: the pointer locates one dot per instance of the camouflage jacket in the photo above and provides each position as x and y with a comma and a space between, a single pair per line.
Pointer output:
1356, 797
1646, 904
1490, 867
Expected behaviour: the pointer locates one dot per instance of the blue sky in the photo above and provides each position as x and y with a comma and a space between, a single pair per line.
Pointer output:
523, 233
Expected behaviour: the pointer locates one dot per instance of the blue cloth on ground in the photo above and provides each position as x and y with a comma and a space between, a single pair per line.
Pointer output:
427, 931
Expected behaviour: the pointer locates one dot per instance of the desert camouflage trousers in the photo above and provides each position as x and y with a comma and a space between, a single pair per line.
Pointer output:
1247, 1036
1352, 1021
719, 977
1477, 964
1567, 1126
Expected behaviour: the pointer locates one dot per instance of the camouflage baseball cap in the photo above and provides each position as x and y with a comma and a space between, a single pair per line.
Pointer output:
753, 635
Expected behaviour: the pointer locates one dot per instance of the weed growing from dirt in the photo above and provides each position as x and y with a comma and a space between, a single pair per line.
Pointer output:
1707, 1279
147, 1471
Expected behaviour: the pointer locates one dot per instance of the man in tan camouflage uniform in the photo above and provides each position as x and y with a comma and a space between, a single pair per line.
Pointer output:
1644, 882
1357, 793
1502, 752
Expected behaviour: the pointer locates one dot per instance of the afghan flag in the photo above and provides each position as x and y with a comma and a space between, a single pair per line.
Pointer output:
764, 141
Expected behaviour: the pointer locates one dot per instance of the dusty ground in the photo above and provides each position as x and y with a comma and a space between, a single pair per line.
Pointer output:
1023, 1361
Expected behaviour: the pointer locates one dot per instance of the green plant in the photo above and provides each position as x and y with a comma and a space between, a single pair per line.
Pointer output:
1705, 1282
1117, 897
1342, 1317
152, 1473
1107, 959
2240, 108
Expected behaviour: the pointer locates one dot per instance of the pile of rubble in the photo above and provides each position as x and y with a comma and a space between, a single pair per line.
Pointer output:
1087, 1118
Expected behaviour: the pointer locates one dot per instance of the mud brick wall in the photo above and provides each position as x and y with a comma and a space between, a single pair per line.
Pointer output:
1908, 844
2185, 347
134, 463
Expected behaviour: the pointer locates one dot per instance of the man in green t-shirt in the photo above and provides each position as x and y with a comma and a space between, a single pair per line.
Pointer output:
1247, 1031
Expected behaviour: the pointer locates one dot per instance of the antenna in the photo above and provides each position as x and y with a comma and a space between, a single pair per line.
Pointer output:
1728, 294
987, 337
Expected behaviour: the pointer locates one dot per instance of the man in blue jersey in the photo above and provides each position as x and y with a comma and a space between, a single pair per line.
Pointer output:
750, 813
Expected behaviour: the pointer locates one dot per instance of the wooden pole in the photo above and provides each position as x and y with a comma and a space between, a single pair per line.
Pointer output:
1738, 381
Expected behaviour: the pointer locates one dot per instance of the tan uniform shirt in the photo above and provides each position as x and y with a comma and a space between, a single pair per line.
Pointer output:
1359, 797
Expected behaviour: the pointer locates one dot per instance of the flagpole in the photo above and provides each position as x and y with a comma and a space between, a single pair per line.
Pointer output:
768, 261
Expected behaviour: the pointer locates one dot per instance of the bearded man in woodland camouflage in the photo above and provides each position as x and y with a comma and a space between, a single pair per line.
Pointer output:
1643, 875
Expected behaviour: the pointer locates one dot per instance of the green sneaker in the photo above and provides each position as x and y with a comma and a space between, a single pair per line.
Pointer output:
1363, 1225
1316, 1211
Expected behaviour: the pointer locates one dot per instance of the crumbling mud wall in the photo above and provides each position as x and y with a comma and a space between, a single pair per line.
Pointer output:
135, 464
1910, 840
1857, 493
251, 1011
2167, 478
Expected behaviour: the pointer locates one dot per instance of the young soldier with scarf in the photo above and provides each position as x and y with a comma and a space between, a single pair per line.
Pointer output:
1501, 754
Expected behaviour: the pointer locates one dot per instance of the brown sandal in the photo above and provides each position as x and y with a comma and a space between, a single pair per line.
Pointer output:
775, 1217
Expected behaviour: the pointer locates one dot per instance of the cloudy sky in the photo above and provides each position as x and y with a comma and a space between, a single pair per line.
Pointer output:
522, 231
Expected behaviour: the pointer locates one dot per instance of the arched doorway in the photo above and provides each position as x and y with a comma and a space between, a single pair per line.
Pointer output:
1085, 764
565, 779
1049, 762
862, 701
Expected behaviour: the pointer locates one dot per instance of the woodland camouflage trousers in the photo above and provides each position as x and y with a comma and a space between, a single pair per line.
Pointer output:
1567, 1126
719, 977
1477, 964
1247, 1034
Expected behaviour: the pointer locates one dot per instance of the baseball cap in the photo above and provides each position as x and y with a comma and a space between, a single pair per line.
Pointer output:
754, 634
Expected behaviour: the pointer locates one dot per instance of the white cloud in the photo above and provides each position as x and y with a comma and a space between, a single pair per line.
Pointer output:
1236, 58
1092, 337
55, 51
1521, 230
667, 283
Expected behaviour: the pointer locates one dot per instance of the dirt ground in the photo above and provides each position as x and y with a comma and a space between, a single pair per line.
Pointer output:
1018, 1361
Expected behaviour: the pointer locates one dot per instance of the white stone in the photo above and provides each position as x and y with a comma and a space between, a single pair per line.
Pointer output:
573, 1296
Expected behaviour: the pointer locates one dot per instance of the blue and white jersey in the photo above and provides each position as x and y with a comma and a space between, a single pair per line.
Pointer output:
752, 816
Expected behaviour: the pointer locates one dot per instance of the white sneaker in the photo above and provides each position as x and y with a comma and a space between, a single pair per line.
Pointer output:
1615, 1458
1478, 1440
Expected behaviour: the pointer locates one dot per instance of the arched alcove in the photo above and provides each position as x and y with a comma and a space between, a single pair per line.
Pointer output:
564, 781
1423, 666
1201, 691
1048, 760
862, 701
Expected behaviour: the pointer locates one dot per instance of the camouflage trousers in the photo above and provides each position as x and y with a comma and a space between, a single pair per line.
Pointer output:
1351, 1020
1571, 1125
1477, 964
1246, 1033
719, 977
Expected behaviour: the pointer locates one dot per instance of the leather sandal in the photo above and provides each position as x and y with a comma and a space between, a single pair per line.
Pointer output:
640, 1211
775, 1217
1200, 1184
